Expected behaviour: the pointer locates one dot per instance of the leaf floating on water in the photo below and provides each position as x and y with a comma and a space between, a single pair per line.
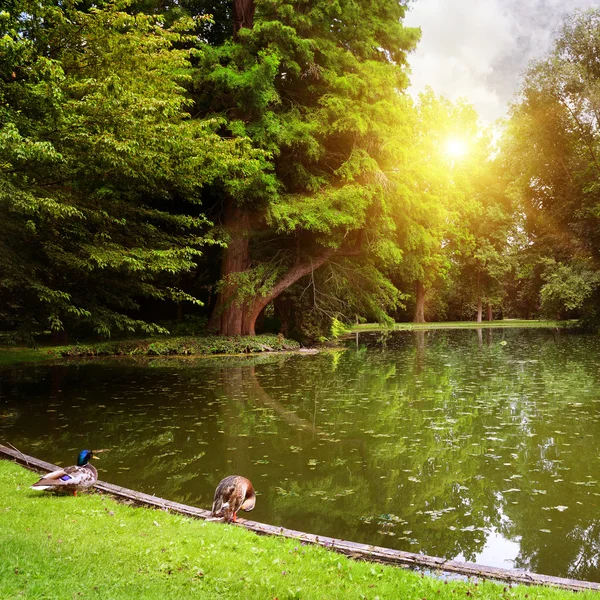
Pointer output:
545, 531
283, 492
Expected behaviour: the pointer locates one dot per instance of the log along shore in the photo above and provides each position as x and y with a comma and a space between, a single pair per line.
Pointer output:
352, 549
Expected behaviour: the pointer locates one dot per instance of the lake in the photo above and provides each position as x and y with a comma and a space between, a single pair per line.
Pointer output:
480, 446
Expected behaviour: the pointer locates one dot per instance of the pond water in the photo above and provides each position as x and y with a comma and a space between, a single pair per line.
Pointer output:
480, 446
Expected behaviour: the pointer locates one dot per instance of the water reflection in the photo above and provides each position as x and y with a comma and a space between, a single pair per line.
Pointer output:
463, 444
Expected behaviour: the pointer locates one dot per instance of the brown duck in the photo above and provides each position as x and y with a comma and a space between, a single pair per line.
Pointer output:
232, 494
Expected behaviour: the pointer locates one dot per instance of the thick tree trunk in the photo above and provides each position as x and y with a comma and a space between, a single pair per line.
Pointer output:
419, 302
490, 312
228, 315
243, 15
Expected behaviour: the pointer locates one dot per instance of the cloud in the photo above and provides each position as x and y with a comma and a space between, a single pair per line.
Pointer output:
478, 49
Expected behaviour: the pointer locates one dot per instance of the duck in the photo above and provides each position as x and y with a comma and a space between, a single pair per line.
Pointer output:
232, 494
70, 479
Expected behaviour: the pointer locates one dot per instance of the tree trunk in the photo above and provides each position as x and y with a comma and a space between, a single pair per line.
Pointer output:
420, 302
490, 312
479, 302
227, 316
243, 15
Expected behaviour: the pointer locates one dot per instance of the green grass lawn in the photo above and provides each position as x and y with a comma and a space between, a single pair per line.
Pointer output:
15, 355
93, 547
462, 325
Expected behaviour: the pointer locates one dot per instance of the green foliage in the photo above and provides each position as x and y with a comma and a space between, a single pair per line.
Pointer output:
567, 287
551, 150
340, 290
338, 328
101, 170
324, 102
129, 132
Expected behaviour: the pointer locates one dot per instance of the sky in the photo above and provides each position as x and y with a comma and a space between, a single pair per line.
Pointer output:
478, 49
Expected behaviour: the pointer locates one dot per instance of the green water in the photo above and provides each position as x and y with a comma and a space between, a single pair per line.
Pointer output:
480, 447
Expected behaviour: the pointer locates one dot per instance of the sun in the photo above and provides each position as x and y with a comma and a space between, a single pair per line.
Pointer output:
456, 147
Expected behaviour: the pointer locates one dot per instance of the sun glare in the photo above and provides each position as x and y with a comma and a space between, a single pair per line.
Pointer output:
455, 147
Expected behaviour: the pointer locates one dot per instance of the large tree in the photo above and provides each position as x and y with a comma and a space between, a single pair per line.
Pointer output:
318, 86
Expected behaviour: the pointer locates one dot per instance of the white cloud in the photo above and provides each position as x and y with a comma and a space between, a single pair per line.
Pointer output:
478, 49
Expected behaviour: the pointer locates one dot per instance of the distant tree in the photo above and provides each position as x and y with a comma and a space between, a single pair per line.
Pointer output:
434, 191
484, 254
552, 151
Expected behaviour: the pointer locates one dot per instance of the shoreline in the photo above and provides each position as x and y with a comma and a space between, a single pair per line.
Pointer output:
356, 551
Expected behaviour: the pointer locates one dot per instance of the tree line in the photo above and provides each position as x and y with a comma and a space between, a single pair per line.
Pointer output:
259, 164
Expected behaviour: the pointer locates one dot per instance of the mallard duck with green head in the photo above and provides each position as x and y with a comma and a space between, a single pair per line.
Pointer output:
70, 479
232, 494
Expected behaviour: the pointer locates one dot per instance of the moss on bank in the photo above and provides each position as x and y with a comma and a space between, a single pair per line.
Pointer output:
92, 547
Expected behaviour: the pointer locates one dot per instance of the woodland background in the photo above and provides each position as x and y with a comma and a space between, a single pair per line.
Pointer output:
249, 166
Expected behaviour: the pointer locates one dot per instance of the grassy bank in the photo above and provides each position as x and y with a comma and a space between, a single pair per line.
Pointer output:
164, 346
522, 324
15, 355
184, 346
93, 547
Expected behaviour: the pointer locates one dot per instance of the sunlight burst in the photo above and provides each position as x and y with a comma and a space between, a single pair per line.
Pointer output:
456, 147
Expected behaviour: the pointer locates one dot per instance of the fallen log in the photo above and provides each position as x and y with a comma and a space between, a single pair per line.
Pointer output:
352, 549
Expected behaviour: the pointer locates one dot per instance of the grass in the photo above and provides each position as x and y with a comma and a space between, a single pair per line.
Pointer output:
165, 346
15, 355
92, 547
518, 323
